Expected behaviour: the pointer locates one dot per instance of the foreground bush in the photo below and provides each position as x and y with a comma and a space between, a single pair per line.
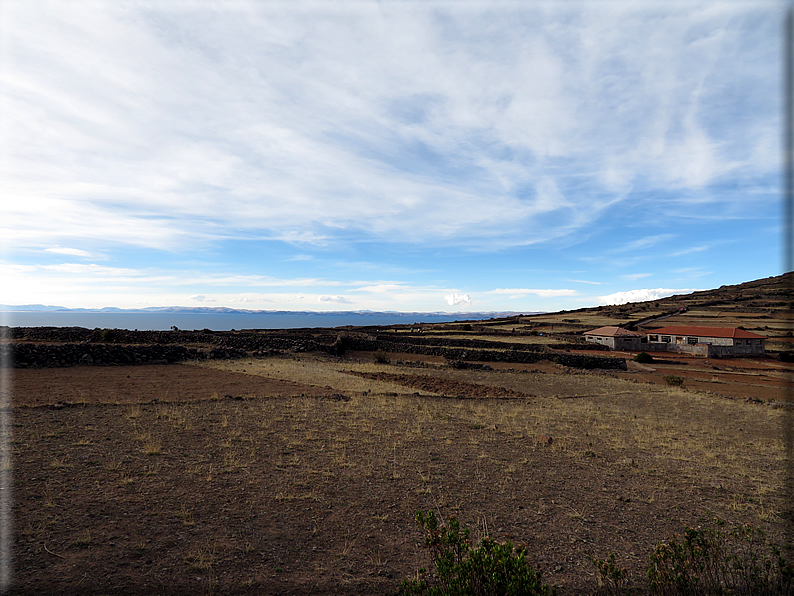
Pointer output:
711, 561
491, 569
643, 358
708, 562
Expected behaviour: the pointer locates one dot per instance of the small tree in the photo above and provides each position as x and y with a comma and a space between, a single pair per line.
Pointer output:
643, 358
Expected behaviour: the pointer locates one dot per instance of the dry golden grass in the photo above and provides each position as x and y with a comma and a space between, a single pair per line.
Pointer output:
315, 372
613, 418
584, 413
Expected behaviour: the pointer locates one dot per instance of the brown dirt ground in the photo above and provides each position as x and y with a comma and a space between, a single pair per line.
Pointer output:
443, 387
764, 379
139, 384
279, 493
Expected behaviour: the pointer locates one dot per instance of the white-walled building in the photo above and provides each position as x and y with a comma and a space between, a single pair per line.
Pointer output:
615, 338
707, 341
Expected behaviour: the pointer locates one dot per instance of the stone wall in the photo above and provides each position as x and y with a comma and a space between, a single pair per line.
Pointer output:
522, 356
32, 355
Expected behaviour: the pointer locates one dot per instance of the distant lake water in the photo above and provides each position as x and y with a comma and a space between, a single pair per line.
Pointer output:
218, 322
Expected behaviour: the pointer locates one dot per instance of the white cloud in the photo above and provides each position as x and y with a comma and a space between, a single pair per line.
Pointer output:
75, 252
172, 127
635, 276
541, 293
582, 281
457, 299
201, 298
91, 269
689, 251
382, 288
645, 242
642, 295
337, 299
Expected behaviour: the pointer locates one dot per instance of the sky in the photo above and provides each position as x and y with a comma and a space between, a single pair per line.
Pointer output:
389, 156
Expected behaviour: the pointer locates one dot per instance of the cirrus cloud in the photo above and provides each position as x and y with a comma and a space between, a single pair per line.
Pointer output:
541, 293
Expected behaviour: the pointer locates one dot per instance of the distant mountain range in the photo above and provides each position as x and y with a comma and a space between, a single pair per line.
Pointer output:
216, 310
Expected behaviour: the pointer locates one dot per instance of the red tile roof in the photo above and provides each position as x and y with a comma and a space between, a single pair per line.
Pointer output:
610, 331
707, 332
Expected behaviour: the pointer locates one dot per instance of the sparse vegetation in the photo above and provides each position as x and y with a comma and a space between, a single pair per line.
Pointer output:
612, 579
643, 358
712, 561
491, 568
674, 381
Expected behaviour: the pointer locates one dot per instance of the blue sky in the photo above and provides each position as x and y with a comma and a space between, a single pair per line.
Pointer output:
403, 156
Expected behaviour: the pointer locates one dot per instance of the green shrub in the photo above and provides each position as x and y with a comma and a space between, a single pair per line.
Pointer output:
710, 561
643, 358
107, 335
491, 569
787, 356
381, 357
611, 578
674, 381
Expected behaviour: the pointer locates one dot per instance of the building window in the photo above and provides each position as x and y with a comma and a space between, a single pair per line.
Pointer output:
653, 338
691, 340
666, 338
748, 342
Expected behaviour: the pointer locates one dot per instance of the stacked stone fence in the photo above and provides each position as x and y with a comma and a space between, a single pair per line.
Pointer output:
234, 345
418, 340
30, 355
515, 356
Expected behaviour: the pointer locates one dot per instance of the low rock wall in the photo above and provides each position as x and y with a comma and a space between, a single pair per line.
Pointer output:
526, 357
31, 355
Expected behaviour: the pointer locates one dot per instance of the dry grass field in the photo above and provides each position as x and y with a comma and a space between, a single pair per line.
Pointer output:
302, 474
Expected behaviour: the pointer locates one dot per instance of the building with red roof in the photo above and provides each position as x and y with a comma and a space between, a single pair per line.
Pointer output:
711, 342
706, 341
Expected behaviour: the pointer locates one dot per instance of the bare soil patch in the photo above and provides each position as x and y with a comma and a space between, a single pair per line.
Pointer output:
441, 386
762, 379
281, 494
138, 384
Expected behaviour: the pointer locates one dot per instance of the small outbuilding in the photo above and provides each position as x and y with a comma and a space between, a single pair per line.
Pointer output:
616, 338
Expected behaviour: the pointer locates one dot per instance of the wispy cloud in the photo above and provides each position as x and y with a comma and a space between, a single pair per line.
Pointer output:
311, 126
635, 276
336, 299
74, 252
689, 251
645, 242
193, 147
541, 293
